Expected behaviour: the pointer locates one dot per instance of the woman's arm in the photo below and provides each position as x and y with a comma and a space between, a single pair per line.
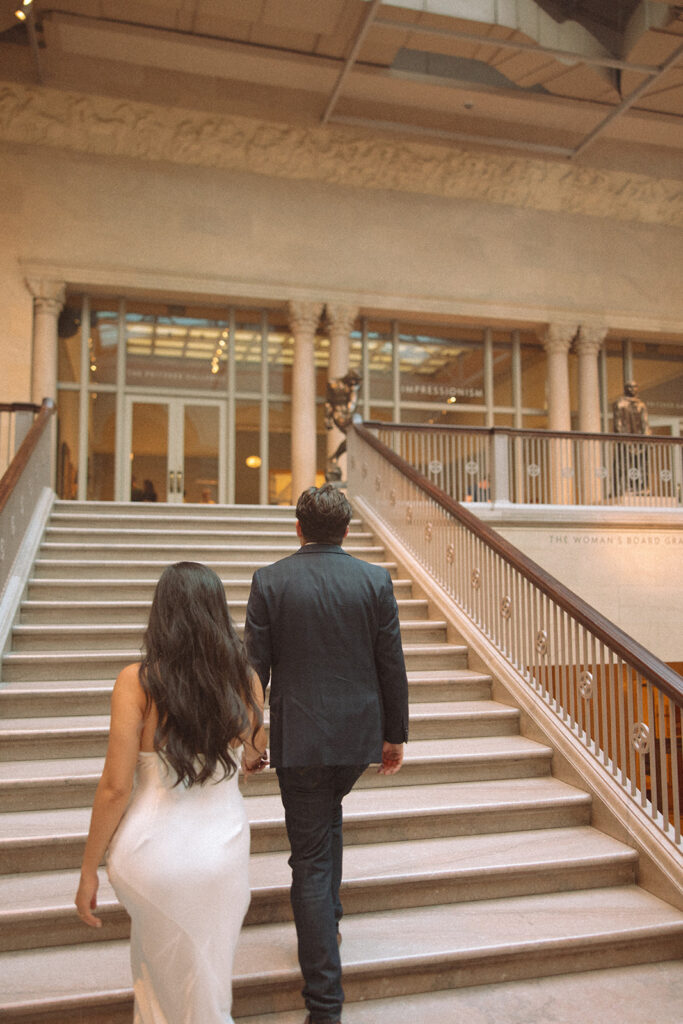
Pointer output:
128, 705
254, 757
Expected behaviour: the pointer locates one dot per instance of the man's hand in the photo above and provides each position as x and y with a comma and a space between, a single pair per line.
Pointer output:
392, 758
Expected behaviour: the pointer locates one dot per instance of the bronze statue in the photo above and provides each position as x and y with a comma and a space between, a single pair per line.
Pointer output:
630, 412
340, 405
631, 471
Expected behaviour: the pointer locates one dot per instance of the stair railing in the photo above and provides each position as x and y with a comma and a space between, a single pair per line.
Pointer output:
22, 482
16, 419
543, 467
620, 702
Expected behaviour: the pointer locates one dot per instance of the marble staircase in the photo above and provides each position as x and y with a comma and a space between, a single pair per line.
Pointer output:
471, 876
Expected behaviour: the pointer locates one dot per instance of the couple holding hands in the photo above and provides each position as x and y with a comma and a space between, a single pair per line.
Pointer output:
322, 631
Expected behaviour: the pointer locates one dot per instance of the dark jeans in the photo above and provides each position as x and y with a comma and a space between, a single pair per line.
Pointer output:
312, 799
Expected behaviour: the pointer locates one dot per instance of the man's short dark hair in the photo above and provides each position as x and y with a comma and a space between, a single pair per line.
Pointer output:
324, 514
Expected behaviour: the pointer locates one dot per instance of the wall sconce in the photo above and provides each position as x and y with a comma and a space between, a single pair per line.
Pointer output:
253, 461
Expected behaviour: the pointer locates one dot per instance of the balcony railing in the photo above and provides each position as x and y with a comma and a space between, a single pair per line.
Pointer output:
541, 466
623, 705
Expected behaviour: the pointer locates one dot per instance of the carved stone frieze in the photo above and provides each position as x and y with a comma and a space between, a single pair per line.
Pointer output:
333, 154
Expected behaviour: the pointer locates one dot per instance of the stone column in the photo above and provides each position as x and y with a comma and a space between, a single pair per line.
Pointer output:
557, 341
48, 300
341, 320
588, 344
591, 471
303, 319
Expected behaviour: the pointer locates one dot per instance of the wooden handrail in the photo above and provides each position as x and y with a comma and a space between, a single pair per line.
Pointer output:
26, 449
670, 682
424, 428
19, 407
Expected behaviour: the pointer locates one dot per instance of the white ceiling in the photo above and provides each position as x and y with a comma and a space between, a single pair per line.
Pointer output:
517, 74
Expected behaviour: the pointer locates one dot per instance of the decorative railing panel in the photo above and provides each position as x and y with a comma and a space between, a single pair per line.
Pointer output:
541, 466
20, 485
620, 702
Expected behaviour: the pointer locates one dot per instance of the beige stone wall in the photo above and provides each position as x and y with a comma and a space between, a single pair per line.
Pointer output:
254, 224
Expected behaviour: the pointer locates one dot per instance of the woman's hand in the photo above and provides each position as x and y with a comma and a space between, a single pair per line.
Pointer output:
86, 900
254, 767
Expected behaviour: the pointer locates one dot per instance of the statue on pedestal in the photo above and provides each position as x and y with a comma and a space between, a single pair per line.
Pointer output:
631, 458
340, 405
630, 412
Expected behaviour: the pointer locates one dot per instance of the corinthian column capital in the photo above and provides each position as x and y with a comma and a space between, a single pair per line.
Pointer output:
304, 317
590, 338
48, 295
558, 336
341, 317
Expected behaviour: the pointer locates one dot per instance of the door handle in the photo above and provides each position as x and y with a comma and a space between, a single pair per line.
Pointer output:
179, 482
171, 482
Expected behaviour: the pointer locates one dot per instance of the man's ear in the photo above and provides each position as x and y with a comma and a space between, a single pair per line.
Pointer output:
298, 530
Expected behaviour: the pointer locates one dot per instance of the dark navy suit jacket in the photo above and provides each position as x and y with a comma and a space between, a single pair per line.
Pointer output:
322, 630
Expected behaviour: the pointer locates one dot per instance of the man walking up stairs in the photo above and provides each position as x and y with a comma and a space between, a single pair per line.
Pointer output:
474, 885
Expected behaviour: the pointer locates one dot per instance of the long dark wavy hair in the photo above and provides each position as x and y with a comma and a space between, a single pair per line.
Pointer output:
195, 670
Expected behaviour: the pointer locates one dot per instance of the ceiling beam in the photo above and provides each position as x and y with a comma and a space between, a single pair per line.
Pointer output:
511, 44
629, 100
351, 59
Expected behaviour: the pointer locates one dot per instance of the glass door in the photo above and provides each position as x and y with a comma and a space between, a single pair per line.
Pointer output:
176, 450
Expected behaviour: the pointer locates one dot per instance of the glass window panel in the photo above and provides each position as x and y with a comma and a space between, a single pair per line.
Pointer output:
67, 444
573, 367
381, 413
200, 439
103, 345
280, 360
171, 347
502, 375
658, 372
380, 362
247, 446
533, 373
441, 370
69, 343
450, 416
101, 446
149, 451
279, 454
248, 350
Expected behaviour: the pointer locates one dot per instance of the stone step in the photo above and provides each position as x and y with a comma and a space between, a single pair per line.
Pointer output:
405, 951
116, 636
99, 664
40, 613
375, 812
29, 739
111, 571
55, 697
615, 995
75, 588
114, 511
196, 550
179, 533
68, 782
37, 909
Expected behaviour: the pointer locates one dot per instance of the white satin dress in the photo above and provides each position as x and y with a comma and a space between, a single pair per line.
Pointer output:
179, 863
